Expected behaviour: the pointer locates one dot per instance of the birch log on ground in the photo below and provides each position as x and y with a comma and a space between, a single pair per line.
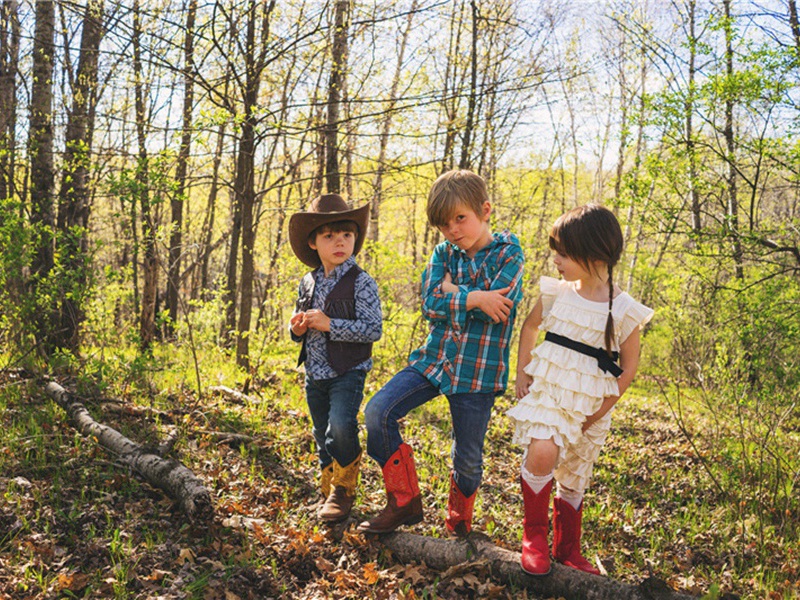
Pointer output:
504, 565
177, 481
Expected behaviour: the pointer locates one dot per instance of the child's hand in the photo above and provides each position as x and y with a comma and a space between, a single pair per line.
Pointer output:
524, 382
492, 302
316, 319
448, 287
298, 324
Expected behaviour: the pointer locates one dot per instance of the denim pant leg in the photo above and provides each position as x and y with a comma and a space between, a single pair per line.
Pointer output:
471, 414
318, 407
333, 405
341, 438
403, 393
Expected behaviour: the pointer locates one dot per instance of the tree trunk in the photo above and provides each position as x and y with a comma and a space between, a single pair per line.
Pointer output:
689, 110
176, 205
170, 476
466, 161
504, 566
377, 195
40, 152
9, 61
730, 147
73, 213
338, 74
147, 318
793, 23
245, 186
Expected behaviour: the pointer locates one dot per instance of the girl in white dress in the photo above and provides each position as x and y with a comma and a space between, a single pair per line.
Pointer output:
567, 386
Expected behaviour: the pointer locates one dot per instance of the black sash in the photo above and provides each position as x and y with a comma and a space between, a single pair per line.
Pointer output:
607, 364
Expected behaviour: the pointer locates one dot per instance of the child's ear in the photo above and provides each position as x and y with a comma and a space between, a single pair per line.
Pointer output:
487, 210
312, 244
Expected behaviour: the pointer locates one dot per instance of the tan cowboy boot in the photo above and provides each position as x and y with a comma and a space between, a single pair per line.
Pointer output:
325, 480
343, 491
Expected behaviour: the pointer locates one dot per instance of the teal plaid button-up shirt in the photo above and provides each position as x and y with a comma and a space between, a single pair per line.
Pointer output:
465, 351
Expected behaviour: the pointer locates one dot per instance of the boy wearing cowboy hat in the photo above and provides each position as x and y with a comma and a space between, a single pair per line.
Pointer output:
337, 318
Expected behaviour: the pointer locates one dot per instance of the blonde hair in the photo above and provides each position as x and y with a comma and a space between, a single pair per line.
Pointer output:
452, 188
591, 233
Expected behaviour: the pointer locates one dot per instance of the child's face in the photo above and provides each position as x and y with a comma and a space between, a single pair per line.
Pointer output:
570, 270
333, 247
573, 270
467, 229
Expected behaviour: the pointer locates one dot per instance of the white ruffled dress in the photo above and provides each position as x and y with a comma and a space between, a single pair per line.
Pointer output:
569, 386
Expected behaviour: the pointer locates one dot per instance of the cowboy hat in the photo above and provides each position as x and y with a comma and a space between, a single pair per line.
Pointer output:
323, 210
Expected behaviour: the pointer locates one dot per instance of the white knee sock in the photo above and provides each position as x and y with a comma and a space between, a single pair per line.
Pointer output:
571, 496
536, 482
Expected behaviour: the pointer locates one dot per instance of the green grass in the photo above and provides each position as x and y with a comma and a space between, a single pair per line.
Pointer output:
80, 526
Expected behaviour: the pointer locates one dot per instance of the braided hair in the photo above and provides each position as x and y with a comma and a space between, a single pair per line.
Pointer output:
586, 234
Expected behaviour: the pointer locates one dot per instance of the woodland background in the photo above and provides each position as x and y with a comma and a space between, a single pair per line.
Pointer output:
151, 153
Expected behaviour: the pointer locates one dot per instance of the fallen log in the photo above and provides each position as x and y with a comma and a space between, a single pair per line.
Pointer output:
170, 476
504, 565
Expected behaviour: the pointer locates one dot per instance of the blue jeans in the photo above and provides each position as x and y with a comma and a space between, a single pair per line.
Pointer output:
409, 389
334, 404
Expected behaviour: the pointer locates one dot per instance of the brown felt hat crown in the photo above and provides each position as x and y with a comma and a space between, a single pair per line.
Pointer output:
323, 210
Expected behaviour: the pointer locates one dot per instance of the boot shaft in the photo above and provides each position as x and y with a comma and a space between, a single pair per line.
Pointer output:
400, 475
459, 509
346, 477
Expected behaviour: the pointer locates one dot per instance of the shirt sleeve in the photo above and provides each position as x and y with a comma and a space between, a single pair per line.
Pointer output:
509, 275
436, 304
368, 324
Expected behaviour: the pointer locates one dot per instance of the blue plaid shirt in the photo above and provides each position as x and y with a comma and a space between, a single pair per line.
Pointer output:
367, 327
465, 351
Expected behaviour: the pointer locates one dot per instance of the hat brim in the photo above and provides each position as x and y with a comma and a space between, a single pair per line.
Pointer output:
303, 223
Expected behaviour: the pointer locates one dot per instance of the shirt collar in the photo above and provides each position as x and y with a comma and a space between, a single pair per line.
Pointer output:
337, 272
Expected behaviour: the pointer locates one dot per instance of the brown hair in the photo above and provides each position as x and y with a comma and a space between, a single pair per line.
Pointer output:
334, 227
591, 233
459, 186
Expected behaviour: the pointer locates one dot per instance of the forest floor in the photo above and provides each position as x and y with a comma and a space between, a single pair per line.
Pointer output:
75, 524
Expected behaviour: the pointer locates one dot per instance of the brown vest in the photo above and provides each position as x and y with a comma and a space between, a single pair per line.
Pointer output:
340, 304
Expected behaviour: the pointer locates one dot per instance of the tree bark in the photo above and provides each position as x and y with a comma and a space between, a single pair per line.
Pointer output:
255, 62
176, 205
730, 147
73, 213
40, 152
338, 74
504, 565
147, 318
9, 62
386, 126
466, 161
170, 476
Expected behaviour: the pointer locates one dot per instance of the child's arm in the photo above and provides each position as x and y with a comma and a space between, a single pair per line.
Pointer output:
629, 361
494, 304
527, 340
437, 305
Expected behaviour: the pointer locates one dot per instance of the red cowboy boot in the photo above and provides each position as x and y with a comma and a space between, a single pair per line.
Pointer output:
535, 551
459, 510
404, 503
567, 536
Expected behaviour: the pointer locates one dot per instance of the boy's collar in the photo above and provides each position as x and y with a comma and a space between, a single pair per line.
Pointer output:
338, 270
